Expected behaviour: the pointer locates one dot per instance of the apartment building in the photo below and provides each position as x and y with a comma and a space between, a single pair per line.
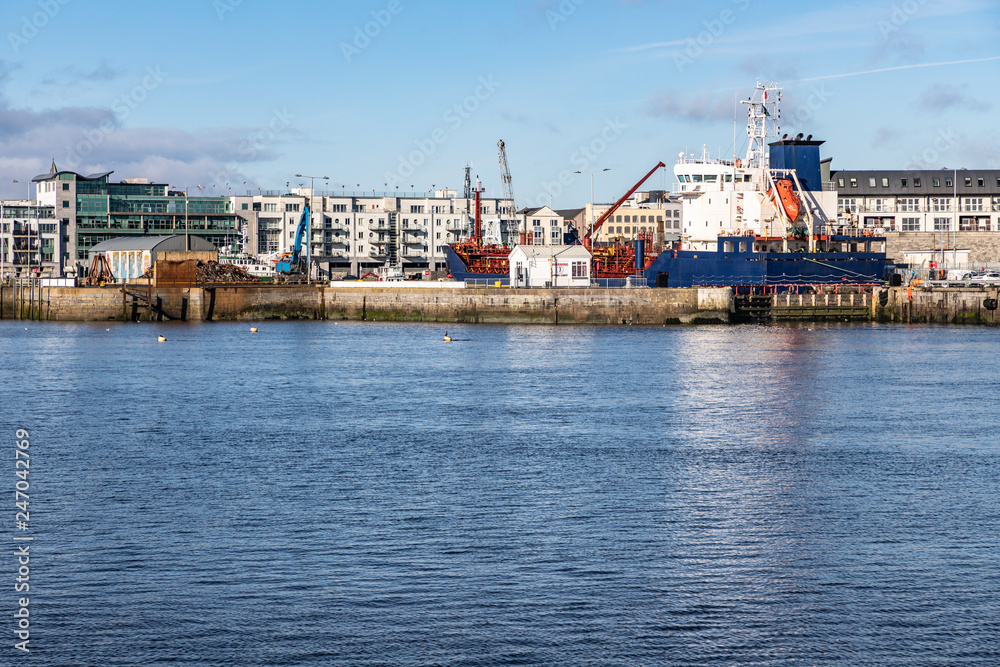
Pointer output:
946, 200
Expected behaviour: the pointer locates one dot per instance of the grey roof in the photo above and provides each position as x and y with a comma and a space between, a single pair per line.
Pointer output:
155, 243
55, 174
925, 177
532, 251
570, 213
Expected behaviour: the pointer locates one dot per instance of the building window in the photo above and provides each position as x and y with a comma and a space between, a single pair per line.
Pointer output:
941, 224
579, 269
936, 182
840, 182
244, 207
854, 182
903, 181
968, 181
885, 182
947, 182
916, 182
65, 187
871, 182
911, 224
911, 204
941, 204
974, 204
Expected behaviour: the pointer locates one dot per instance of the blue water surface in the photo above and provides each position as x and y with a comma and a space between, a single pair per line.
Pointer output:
367, 494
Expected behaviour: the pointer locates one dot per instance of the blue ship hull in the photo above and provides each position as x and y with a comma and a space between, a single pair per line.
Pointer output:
782, 270
734, 268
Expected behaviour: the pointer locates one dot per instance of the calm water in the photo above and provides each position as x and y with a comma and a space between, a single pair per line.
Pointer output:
364, 494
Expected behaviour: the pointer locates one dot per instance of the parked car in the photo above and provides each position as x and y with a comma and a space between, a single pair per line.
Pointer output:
985, 277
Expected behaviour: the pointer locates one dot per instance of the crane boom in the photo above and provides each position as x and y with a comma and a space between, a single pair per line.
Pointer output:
508, 189
607, 214
289, 262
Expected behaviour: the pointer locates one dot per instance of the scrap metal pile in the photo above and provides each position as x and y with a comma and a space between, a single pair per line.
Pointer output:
214, 272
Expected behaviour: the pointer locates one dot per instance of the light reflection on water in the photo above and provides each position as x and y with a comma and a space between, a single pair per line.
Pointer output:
350, 493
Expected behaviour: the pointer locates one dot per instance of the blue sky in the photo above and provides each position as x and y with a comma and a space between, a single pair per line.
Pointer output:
217, 92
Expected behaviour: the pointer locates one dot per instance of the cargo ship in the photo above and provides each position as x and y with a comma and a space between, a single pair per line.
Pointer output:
761, 222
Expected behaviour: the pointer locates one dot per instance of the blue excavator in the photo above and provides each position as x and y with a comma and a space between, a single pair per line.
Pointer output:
290, 263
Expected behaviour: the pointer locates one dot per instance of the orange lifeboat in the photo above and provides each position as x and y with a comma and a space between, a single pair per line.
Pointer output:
789, 200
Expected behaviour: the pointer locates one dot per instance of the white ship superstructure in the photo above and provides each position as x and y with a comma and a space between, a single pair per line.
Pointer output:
732, 197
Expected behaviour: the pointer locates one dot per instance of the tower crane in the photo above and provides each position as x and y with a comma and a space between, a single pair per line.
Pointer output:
508, 193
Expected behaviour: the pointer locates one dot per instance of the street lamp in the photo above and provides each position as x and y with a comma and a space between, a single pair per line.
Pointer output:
312, 179
596, 171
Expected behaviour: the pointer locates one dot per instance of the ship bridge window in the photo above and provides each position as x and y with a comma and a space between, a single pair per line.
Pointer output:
710, 178
746, 178
729, 178
697, 178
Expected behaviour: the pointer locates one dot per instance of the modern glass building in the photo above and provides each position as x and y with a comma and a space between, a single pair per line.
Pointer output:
94, 210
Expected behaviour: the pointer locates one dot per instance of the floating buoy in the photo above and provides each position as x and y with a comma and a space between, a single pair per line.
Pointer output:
447, 338
162, 339
253, 329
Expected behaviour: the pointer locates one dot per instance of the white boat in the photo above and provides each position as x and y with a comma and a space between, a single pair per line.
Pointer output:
251, 265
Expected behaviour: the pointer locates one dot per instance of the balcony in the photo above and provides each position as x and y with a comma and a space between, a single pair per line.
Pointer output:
457, 226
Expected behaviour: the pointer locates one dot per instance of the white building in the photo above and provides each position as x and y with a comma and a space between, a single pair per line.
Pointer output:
360, 232
549, 266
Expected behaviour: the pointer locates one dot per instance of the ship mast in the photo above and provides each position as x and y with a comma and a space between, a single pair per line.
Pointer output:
763, 115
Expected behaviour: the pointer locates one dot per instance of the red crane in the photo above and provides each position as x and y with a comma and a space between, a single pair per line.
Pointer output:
607, 214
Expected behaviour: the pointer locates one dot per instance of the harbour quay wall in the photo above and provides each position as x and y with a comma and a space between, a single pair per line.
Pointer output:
410, 304
938, 304
924, 303
544, 306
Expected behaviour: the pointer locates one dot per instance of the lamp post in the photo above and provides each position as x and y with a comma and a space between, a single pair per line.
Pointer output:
312, 180
596, 171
